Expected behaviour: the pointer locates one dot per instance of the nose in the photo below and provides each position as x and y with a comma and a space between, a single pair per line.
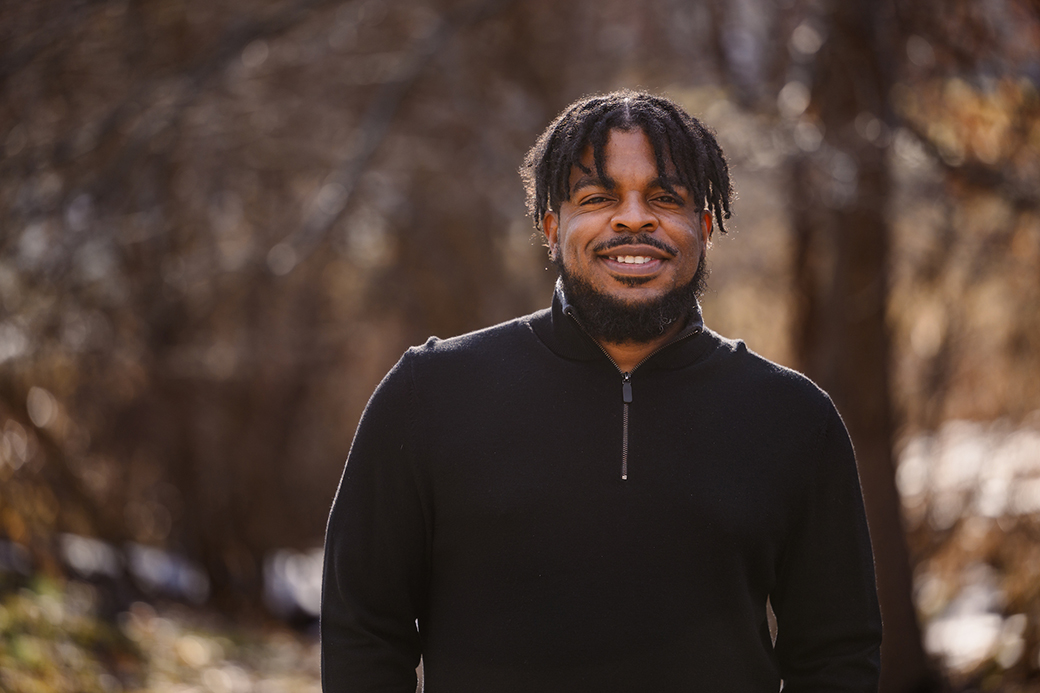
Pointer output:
633, 215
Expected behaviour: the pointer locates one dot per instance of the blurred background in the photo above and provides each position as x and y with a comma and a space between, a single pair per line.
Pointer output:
221, 222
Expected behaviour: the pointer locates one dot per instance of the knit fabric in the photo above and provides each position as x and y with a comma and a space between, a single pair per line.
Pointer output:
482, 522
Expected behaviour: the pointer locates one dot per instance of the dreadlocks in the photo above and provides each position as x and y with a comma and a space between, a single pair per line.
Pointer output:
674, 134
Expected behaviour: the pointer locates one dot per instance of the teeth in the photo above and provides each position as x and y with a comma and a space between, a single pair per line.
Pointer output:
633, 259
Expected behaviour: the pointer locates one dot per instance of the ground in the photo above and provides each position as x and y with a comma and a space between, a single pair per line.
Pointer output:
52, 640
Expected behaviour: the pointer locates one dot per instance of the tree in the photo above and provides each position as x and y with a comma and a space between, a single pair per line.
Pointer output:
840, 195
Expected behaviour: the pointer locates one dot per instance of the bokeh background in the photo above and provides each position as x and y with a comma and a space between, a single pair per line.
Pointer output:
222, 221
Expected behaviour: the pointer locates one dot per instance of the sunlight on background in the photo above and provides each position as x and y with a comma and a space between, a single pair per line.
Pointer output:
181, 371
981, 484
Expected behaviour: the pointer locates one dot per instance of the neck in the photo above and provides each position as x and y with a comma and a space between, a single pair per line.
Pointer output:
627, 355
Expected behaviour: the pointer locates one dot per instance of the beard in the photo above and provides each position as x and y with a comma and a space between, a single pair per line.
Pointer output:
612, 320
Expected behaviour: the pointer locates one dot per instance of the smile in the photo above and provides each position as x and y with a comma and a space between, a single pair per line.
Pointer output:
641, 265
631, 259
634, 259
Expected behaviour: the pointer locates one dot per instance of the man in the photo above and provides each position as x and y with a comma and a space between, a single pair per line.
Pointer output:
603, 496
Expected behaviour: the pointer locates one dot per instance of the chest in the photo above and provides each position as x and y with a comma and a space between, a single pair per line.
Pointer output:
536, 466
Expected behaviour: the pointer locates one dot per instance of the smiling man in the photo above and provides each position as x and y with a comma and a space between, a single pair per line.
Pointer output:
604, 495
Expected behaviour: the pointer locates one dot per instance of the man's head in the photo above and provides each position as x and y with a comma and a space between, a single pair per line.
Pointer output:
625, 187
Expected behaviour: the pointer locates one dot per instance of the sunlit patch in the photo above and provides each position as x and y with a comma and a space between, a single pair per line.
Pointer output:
975, 482
292, 582
968, 630
971, 468
90, 558
13, 342
160, 572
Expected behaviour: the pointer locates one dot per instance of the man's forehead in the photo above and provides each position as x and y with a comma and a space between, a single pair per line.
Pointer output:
586, 166
584, 174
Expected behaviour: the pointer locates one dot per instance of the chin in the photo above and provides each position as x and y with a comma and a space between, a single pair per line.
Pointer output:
633, 312
628, 297
634, 281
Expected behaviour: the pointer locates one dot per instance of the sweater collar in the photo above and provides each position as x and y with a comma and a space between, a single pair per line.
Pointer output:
560, 330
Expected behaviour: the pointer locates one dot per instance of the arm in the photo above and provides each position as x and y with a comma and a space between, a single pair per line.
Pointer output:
375, 553
828, 620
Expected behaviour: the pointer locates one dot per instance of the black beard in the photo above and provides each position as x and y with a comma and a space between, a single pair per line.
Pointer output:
611, 320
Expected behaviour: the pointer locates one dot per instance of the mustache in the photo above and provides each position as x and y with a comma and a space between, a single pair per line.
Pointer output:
638, 239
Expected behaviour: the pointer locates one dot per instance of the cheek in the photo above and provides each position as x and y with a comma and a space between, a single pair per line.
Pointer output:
573, 240
694, 239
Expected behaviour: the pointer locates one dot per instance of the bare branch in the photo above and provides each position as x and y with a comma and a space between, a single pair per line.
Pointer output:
373, 130
1021, 195
46, 37
228, 47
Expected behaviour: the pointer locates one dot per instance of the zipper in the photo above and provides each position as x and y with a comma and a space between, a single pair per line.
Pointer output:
626, 399
626, 384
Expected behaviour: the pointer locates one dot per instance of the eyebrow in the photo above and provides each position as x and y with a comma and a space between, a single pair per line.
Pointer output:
669, 183
591, 181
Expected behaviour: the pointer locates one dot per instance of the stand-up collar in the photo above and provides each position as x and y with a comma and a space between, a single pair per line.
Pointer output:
561, 331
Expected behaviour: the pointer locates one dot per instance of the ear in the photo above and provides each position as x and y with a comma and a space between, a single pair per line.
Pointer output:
706, 227
551, 228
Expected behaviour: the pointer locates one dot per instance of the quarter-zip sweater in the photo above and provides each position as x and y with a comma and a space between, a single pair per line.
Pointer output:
692, 328
525, 517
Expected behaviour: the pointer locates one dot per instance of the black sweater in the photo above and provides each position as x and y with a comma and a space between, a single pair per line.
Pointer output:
483, 499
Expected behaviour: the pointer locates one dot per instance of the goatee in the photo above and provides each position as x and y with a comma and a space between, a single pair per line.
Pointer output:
609, 319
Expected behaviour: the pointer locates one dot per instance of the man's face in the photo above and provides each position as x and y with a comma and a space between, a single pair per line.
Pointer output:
633, 241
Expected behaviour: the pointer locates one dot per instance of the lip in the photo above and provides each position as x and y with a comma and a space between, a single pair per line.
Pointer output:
635, 249
657, 260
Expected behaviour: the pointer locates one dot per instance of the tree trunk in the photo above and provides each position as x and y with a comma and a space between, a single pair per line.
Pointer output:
841, 245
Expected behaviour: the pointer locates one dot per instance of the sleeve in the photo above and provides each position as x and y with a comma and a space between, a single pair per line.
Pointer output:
375, 553
825, 600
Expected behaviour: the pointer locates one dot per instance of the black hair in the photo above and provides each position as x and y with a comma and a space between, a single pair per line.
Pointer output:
674, 134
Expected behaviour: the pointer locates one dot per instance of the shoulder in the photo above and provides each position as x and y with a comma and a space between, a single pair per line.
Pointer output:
491, 354
777, 403
460, 373
444, 368
767, 382
490, 344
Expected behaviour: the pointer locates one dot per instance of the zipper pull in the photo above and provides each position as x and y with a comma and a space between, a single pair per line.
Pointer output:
626, 388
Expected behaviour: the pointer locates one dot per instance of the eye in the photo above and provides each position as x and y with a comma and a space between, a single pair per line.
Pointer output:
668, 199
595, 200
